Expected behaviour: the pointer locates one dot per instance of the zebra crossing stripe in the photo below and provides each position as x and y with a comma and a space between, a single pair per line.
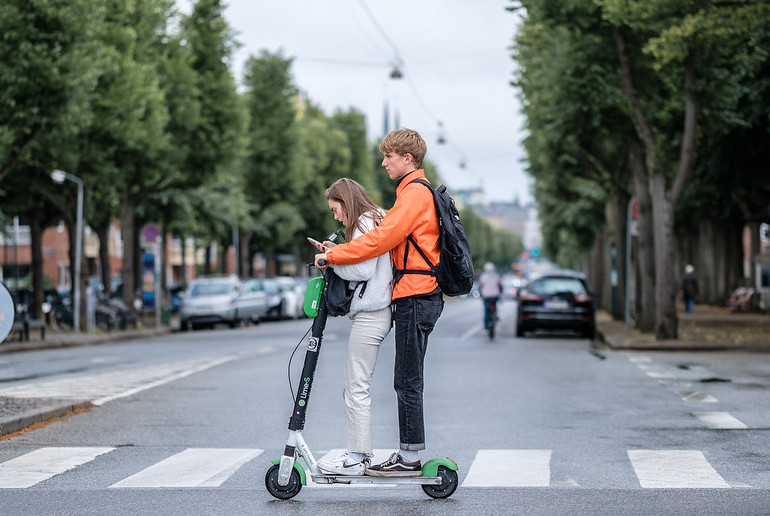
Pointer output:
720, 420
44, 463
674, 469
510, 468
194, 467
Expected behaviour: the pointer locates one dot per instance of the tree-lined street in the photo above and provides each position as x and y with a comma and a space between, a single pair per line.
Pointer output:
541, 425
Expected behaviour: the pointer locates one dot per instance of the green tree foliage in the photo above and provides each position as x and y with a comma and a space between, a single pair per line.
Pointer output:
677, 74
273, 179
46, 73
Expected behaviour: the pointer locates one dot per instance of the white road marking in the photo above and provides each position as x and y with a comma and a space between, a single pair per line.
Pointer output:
106, 386
44, 463
697, 396
638, 359
721, 420
510, 468
674, 469
194, 467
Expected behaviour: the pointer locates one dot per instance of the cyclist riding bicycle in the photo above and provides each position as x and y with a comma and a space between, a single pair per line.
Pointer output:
490, 288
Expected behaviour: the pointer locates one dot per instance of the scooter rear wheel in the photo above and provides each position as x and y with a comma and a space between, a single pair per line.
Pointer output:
290, 490
447, 486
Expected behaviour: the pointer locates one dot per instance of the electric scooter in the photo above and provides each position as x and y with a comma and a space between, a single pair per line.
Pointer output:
285, 478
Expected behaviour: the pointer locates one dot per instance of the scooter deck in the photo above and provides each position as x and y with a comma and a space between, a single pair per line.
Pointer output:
364, 479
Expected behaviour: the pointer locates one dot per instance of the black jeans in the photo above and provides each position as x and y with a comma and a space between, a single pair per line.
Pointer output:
414, 321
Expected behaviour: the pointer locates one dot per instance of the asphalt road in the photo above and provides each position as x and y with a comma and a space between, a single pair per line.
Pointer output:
188, 424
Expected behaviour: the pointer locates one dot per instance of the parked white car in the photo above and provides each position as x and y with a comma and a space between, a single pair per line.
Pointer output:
208, 301
252, 304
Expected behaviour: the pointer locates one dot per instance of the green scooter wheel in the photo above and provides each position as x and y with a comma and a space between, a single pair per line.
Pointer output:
447, 486
286, 492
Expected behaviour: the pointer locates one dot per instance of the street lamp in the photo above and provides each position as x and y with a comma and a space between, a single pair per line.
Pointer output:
59, 176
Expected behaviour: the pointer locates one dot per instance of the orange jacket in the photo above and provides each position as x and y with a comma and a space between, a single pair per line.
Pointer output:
413, 213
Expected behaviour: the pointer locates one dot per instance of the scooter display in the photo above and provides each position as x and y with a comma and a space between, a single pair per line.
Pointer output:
285, 478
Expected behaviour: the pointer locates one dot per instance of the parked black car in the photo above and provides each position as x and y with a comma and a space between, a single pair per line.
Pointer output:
557, 301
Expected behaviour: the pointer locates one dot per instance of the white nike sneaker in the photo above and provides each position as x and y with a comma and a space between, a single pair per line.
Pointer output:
344, 464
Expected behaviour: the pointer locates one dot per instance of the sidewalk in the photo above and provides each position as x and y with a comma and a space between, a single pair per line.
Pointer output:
19, 413
708, 328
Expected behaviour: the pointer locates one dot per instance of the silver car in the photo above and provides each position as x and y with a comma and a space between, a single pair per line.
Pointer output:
252, 304
209, 301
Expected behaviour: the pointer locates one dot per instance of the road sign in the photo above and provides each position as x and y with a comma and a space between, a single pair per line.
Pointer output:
6, 312
150, 233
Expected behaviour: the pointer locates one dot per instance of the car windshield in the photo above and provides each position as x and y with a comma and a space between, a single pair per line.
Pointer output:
210, 289
253, 286
550, 286
271, 287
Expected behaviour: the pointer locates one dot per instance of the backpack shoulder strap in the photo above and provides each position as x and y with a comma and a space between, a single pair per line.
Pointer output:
400, 272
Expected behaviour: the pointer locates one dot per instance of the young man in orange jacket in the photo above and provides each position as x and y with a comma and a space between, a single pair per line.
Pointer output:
417, 299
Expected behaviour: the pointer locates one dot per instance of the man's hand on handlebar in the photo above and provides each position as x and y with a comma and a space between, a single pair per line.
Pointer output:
321, 261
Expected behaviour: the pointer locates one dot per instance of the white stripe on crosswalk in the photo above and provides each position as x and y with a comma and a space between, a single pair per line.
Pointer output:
674, 469
721, 420
44, 463
194, 467
510, 468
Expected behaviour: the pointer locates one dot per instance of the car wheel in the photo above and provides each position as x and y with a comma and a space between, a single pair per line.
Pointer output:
519, 328
589, 332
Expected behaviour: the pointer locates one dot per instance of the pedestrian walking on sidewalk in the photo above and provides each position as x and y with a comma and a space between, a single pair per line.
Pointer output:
689, 288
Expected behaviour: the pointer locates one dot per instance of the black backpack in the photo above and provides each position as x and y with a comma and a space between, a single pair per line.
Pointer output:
339, 295
454, 272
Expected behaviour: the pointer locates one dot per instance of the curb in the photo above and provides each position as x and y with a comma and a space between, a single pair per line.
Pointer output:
11, 424
69, 340
682, 346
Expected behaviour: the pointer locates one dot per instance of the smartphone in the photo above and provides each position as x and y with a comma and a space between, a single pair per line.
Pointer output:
317, 244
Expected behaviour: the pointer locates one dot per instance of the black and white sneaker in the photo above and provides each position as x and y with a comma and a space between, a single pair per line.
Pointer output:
395, 467
344, 464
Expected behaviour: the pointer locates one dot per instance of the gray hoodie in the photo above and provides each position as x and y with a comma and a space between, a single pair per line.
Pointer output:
377, 272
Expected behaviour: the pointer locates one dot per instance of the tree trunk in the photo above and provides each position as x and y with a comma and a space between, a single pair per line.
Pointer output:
705, 265
619, 203
246, 268
185, 273
128, 229
645, 257
103, 234
755, 251
666, 286
207, 259
36, 236
663, 199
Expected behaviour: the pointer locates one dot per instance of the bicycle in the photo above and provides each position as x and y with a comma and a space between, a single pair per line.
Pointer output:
491, 316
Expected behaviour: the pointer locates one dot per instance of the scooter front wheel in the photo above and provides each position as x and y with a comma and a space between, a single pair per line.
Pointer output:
290, 490
446, 487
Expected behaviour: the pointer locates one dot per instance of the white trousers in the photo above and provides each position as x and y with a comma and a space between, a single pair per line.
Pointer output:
366, 334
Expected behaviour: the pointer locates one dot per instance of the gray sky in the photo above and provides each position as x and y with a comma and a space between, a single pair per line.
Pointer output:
456, 70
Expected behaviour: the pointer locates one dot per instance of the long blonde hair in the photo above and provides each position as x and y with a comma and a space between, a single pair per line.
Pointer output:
356, 202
